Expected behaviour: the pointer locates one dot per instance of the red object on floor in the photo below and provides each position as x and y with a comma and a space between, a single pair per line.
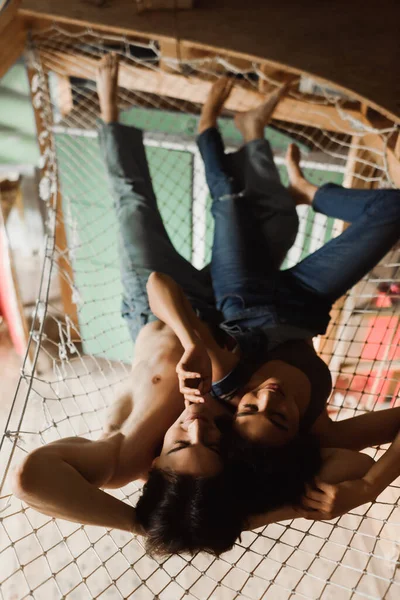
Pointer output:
381, 343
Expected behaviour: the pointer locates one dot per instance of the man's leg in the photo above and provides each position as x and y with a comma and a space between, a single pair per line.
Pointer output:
375, 228
144, 242
246, 219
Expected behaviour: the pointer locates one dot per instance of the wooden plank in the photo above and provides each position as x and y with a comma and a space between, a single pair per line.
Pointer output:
64, 95
12, 44
185, 51
252, 29
66, 274
397, 148
194, 89
269, 75
353, 165
9, 14
170, 49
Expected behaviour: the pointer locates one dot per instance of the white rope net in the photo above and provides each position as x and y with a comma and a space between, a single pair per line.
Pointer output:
79, 349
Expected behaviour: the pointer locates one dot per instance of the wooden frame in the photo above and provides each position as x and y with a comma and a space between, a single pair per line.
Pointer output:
64, 263
303, 40
12, 37
195, 89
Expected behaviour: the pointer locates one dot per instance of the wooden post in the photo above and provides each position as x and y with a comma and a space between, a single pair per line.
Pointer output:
8, 14
334, 343
397, 148
12, 37
64, 263
270, 72
186, 51
64, 95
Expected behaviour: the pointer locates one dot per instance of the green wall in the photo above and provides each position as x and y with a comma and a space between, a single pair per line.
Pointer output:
18, 145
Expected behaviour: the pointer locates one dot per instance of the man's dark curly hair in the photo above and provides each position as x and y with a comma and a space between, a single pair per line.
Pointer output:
182, 513
275, 476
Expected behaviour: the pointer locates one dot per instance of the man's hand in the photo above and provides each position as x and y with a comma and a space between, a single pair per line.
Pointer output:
324, 501
194, 372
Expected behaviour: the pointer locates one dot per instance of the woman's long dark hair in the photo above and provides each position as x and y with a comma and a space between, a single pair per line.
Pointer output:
276, 476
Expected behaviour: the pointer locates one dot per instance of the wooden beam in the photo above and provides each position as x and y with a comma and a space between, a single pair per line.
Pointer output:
253, 30
353, 166
64, 94
397, 147
194, 89
66, 274
171, 52
8, 14
12, 44
270, 72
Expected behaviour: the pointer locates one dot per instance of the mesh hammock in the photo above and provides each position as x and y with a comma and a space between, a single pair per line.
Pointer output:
79, 349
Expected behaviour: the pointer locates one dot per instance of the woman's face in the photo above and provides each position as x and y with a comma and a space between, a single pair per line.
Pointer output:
192, 444
270, 413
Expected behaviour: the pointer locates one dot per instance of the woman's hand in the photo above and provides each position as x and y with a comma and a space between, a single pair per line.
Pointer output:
194, 372
324, 501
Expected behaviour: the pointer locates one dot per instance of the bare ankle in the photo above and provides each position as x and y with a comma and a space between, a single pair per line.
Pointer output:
207, 120
109, 115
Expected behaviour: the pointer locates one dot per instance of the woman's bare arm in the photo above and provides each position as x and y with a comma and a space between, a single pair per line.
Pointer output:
339, 465
357, 433
63, 479
331, 501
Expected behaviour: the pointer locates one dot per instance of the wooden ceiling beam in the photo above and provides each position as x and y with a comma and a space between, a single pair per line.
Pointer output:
195, 89
253, 30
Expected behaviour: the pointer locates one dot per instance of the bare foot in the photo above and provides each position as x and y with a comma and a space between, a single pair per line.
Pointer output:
302, 190
107, 87
251, 123
218, 95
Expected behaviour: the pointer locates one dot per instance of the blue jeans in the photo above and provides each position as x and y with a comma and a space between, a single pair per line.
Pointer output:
250, 290
144, 245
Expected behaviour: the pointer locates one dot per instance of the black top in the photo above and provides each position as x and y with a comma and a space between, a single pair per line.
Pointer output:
297, 353
302, 355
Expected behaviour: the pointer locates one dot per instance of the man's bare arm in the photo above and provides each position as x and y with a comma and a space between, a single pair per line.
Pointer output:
357, 433
169, 303
63, 479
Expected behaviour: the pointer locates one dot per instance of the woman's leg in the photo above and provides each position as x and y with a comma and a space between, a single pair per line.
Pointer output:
255, 218
375, 227
144, 242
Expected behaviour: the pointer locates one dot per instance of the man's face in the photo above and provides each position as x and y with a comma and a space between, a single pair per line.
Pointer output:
192, 444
